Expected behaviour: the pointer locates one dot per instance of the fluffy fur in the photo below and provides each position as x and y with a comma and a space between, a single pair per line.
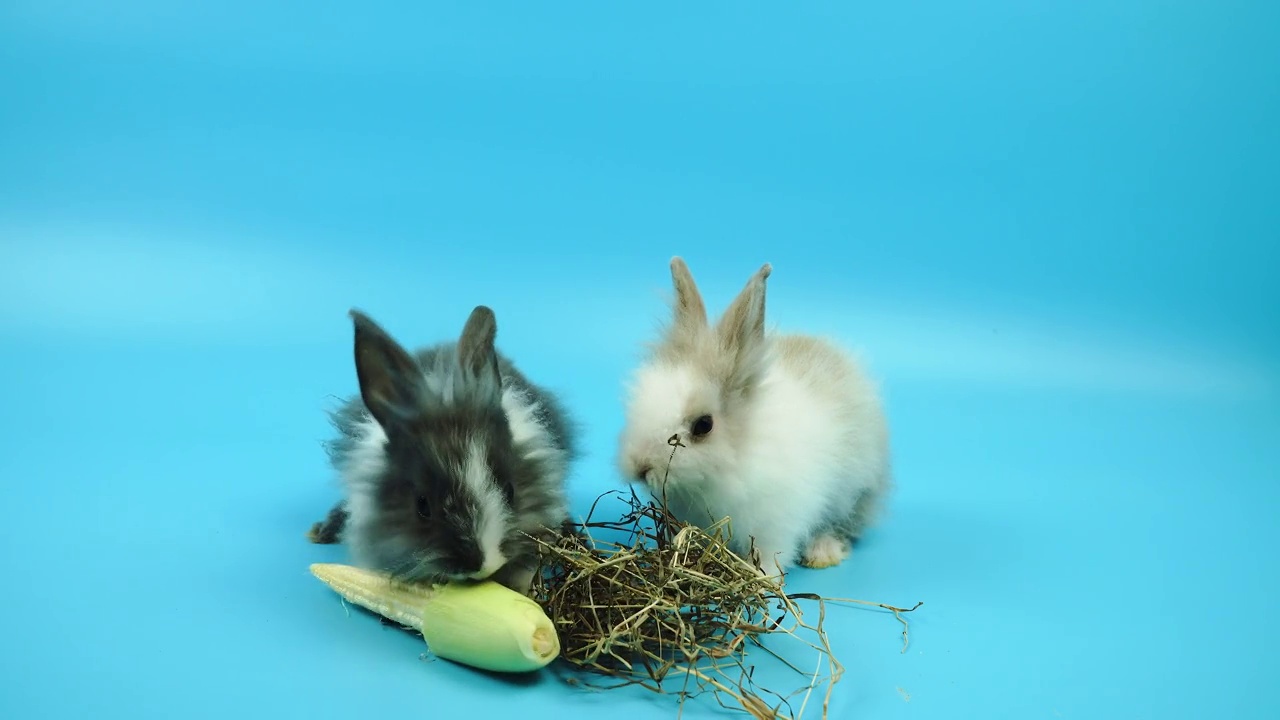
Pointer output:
449, 456
782, 433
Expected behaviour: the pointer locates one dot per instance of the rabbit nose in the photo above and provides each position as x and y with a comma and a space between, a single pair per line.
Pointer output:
491, 566
642, 472
469, 562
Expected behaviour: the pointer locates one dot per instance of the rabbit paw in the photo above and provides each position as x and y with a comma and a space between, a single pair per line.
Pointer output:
329, 530
825, 551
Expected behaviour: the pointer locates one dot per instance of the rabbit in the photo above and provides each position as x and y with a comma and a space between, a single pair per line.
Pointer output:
783, 434
451, 459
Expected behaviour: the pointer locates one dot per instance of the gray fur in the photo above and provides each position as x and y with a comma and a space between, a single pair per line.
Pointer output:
849, 525
431, 404
345, 421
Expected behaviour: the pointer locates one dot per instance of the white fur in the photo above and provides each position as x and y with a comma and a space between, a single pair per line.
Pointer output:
527, 432
360, 472
801, 452
491, 518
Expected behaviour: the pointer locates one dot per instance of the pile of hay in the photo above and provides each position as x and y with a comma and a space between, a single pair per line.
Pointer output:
666, 597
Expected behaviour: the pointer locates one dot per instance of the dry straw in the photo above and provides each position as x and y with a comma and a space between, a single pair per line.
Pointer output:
674, 598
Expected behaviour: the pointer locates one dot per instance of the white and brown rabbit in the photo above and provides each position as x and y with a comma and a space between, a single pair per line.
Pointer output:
784, 434
449, 456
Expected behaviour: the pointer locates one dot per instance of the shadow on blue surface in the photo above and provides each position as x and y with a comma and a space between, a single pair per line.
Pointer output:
1051, 231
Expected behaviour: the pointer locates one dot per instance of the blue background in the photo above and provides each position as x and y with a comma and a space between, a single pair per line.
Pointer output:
1051, 227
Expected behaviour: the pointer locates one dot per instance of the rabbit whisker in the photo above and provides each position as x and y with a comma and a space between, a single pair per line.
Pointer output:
419, 567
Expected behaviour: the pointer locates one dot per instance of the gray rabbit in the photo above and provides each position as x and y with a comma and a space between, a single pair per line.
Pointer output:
449, 456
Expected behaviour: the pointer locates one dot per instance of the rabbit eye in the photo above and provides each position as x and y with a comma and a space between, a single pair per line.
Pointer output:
702, 426
420, 504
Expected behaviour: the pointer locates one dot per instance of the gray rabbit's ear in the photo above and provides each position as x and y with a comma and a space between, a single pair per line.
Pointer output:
390, 379
690, 312
476, 353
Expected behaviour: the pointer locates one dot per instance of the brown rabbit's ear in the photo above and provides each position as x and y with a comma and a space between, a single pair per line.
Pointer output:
690, 312
741, 328
476, 352
389, 378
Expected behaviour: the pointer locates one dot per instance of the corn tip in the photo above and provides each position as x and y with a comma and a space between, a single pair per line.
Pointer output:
546, 643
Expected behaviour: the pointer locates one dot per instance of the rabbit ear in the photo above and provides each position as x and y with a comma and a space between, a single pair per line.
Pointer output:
741, 328
389, 378
690, 312
476, 353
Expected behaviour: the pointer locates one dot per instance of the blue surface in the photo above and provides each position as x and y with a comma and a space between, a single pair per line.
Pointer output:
1052, 228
